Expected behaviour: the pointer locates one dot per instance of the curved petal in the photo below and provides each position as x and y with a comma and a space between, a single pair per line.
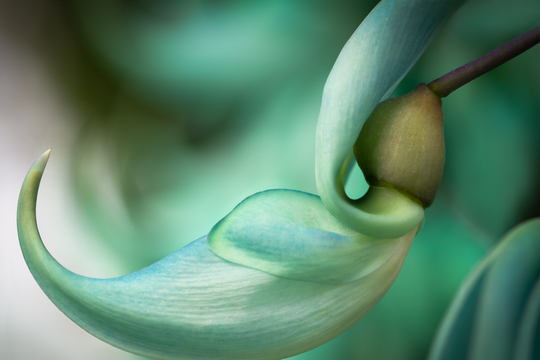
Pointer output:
497, 303
291, 234
528, 335
196, 305
370, 66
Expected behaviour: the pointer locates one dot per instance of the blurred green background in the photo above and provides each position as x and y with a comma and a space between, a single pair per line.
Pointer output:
163, 115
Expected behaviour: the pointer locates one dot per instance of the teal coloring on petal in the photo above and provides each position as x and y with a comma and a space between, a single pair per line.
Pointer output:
291, 234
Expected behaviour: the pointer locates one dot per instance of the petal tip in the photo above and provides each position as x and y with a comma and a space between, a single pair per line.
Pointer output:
41, 161
45, 155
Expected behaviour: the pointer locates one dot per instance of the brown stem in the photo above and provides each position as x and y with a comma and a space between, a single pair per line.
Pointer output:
446, 84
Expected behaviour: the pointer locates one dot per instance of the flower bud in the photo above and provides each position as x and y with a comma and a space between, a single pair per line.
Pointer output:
401, 145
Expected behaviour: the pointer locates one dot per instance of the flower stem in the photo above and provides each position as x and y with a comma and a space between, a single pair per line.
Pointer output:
446, 84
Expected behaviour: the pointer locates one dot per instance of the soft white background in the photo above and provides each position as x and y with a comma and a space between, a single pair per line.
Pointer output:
34, 116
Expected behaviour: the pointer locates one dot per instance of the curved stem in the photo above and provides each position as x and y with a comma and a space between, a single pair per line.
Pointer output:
446, 84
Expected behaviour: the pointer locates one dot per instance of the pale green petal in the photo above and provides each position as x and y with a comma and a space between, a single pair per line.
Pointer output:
370, 66
196, 305
291, 234
497, 302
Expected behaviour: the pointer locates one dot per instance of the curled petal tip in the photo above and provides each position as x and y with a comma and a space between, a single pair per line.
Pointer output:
41, 161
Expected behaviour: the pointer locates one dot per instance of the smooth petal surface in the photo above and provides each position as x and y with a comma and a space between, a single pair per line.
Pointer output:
370, 66
196, 305
291, 234
495, 315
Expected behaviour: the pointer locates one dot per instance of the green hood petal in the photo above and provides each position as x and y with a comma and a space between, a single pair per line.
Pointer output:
369, 68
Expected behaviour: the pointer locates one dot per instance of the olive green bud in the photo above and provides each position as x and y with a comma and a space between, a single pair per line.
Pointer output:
402, 145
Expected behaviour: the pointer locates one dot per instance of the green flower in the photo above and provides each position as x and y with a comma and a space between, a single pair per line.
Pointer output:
286, 271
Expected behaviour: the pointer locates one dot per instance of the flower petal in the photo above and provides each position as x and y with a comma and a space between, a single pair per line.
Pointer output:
497, 303
291, 234
370, 66
196, 305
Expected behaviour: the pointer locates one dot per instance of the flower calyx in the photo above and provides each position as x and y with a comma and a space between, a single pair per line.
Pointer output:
401, 145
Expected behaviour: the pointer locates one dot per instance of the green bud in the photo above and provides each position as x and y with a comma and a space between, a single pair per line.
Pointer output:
402, 145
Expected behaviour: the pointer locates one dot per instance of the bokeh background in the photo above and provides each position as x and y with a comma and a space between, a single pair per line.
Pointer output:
163, 115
